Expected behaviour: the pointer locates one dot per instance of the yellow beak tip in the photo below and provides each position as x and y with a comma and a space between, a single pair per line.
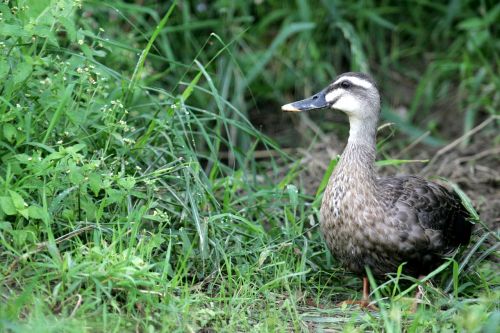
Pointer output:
289, 108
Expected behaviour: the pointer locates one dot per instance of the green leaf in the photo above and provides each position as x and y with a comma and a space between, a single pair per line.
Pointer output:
24, 212
22, 72
5, 226
114, 196
68, 214
75, 148
17, 200
9, 132
7, 205
45, 32
95, 183
69, 26
4, 69
75, 176
20, 237
66, 96
466, 201
127, 183
189, 89
36, 212
11, 30
87, 51
293, 194
474, 23
99, 53
398, 162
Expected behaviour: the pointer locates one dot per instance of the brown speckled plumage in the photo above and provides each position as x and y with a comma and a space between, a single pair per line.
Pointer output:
381, 222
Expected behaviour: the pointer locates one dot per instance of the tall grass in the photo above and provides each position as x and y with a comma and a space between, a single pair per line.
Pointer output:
131, 195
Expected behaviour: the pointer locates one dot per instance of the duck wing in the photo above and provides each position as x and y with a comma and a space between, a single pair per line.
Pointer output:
418, 205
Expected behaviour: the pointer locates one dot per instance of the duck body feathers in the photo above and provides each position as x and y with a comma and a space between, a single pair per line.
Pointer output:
384, 222
380, 223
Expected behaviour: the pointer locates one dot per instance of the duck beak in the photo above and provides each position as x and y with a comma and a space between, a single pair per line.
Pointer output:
314, 102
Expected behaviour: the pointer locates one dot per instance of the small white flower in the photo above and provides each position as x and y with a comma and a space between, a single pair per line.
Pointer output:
128, 141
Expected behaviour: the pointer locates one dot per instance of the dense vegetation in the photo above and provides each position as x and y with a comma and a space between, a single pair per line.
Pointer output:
138, 191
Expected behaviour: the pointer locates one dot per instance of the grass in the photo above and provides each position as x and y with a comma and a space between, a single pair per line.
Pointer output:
132, 195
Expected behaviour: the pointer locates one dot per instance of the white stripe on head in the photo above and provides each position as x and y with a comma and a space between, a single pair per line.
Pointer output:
348, 104
355, 81
332, 95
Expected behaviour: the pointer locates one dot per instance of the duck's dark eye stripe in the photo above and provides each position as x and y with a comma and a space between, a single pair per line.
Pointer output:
346, 84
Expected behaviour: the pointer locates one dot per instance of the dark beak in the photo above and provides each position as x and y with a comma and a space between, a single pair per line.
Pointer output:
312, 103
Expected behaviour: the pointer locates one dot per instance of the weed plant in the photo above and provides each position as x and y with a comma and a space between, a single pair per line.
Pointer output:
133, 192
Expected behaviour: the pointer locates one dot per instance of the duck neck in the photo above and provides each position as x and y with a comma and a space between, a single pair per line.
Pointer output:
362, 132
358, 158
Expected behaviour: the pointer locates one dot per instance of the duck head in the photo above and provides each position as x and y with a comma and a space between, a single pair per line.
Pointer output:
355, 94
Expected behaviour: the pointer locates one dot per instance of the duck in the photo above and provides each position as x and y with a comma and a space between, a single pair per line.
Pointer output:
380, 223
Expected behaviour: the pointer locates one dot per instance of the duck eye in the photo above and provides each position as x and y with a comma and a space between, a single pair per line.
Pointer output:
346, 84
